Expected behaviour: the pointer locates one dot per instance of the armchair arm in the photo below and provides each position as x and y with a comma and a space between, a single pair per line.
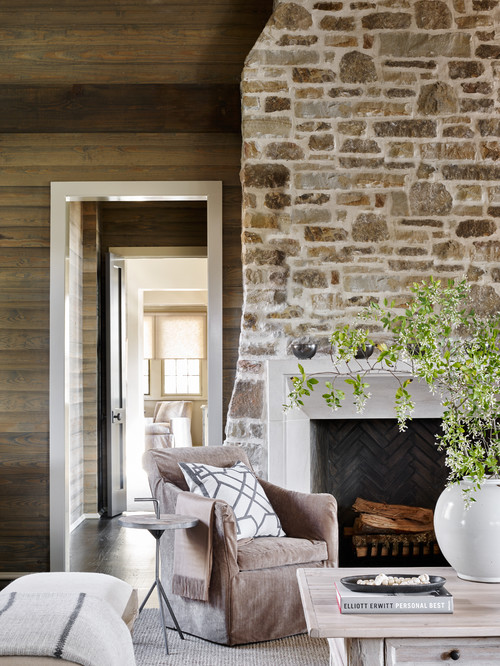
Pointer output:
156, 428
158, 435
306, 516
224, 543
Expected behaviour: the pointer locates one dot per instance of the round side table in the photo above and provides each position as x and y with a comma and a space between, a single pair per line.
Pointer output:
156, 525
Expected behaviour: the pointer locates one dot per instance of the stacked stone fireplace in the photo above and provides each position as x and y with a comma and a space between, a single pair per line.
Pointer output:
371, 160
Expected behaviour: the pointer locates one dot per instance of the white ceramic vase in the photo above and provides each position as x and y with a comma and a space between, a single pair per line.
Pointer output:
469, 538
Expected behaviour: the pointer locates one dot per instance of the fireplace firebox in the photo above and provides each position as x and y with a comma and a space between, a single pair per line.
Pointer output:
372, 459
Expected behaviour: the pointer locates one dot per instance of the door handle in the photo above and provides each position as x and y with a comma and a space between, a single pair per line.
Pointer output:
116, 417
454, 655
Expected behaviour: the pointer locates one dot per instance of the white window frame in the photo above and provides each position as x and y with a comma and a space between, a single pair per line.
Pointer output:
187, 394
157, 391
147, 395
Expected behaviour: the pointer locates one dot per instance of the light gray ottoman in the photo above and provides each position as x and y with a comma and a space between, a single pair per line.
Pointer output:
111, 596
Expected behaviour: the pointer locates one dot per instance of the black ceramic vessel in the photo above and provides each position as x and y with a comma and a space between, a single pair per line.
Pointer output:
364, 353
414, 349
303, 350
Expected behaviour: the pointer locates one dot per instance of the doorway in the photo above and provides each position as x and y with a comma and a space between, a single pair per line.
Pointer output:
61, 378
158, 288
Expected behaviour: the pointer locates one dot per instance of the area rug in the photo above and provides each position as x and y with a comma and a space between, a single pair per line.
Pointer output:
150, 649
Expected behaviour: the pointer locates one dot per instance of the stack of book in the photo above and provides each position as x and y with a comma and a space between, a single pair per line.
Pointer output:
399, 601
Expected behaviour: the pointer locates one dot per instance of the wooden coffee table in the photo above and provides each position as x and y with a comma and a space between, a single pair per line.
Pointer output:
469, 635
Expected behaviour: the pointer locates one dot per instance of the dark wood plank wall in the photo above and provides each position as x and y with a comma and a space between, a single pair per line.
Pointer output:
100, 90
153, 224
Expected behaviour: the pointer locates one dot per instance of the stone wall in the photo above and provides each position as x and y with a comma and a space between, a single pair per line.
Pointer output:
371, 159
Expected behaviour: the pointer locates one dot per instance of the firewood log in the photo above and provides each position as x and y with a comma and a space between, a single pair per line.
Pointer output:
394, 511
371, 524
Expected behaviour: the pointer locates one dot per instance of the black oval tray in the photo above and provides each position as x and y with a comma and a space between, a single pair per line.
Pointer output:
350, 582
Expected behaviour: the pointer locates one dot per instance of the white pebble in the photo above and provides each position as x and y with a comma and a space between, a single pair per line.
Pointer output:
383, 579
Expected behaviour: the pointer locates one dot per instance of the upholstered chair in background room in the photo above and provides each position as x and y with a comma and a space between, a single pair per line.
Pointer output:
253, 593
170, 425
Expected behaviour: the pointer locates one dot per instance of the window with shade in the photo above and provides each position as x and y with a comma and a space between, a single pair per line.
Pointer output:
174, 347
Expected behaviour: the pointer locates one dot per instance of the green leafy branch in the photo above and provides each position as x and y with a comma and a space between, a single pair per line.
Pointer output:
302, 387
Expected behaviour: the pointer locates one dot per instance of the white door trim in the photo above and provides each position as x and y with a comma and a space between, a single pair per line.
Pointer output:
61, 194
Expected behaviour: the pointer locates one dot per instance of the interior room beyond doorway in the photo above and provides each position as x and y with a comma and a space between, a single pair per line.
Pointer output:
156, 288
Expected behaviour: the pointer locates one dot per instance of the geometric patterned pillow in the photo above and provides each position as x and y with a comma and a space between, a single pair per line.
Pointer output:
238, 486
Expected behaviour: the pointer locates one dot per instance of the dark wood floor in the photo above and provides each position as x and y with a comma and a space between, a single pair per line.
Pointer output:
104, 546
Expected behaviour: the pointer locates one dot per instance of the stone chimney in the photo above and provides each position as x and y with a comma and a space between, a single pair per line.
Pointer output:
371, 160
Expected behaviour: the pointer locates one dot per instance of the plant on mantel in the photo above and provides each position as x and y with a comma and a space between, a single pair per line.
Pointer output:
439, 338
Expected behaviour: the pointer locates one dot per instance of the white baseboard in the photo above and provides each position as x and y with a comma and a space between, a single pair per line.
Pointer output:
77, 522
85, 516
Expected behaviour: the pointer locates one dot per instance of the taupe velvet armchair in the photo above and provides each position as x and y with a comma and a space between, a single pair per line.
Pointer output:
253, 593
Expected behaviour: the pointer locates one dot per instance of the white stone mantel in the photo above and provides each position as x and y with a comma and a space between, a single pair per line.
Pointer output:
289, 446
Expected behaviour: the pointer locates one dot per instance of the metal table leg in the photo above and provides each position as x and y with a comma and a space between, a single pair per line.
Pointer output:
162, 597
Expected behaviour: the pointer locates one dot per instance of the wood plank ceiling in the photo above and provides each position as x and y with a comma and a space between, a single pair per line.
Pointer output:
100, 90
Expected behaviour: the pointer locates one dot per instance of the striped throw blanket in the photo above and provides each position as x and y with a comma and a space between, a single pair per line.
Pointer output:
72, 626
